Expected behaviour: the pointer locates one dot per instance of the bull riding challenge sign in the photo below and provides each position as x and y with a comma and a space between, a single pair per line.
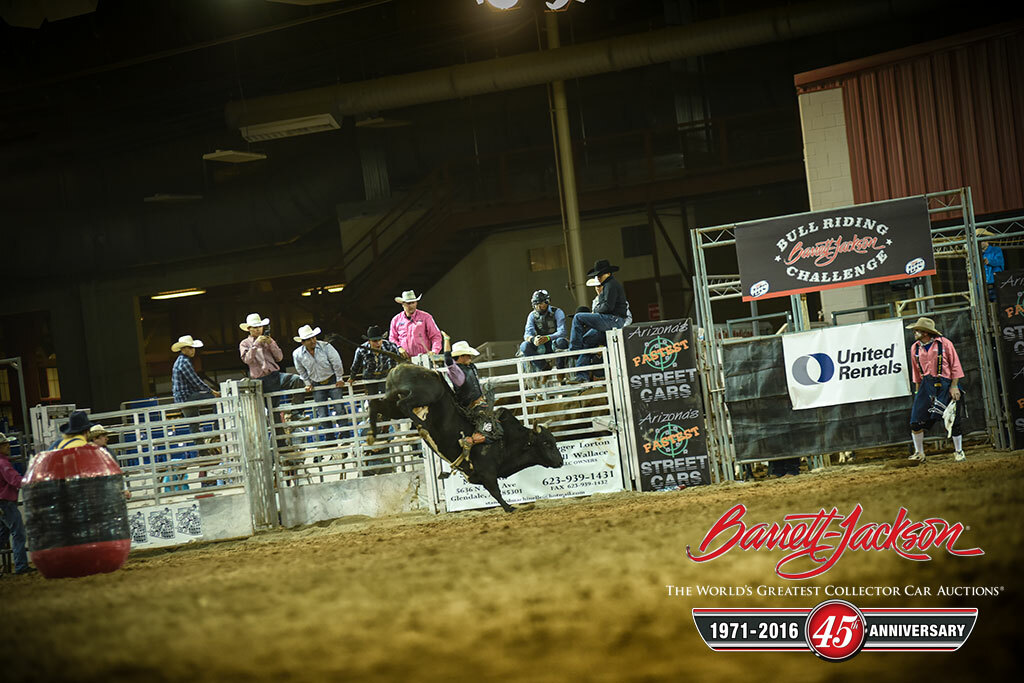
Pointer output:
855, 245
668, 413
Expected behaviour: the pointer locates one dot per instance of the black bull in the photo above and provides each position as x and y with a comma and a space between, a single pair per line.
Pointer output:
411, 388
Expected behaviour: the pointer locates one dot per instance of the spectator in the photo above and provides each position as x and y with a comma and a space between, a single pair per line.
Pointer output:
545, 330
262, 354
318, 362
992, 260
609, 313
413, 330
185, 383
10, 515
99, 436
598, 288
470, 394
370, 364
76, 432
936, 372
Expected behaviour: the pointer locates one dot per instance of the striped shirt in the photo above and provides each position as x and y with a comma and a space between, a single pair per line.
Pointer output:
319, 366
184, 380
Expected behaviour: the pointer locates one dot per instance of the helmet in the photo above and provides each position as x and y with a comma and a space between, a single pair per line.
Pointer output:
541, 296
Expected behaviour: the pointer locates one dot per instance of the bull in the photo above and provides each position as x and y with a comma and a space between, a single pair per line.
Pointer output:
422, 396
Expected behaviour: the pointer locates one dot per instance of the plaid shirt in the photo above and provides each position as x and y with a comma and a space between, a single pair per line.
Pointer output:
370, 365
184, 380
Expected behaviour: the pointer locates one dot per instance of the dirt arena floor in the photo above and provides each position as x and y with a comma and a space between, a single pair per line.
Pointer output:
565, 591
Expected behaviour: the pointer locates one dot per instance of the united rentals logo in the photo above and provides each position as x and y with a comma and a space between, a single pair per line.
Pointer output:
807, 536
802, 373
849, 364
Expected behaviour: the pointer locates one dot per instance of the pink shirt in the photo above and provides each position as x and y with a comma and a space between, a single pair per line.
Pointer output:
417, 334
929, 359
261, 358
10, 480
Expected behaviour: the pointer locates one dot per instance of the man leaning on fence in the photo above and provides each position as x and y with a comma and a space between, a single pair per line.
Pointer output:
185, 382
318, 363
373, 361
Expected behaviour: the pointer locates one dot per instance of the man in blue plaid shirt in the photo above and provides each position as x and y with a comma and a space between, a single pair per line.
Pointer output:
185, 383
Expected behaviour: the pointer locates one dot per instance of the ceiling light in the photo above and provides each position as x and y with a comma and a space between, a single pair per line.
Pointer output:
330, 289
232, 157
500, 4
287, 128
178, 293
168, 198
380, 122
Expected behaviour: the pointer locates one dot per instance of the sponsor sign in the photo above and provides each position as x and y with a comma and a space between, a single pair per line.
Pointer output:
668, 413
591, 466
856, 245
156, 526
846, 364
1010, 320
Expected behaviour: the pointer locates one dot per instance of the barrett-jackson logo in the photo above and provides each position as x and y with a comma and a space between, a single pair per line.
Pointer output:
801, 248
808, 535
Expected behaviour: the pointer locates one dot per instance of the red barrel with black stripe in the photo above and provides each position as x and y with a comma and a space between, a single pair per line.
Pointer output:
76, 517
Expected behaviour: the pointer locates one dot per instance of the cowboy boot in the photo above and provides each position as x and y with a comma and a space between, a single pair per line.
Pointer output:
467, 444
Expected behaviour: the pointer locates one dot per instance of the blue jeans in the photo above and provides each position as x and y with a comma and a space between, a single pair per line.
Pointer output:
528, 349
588, 332
10, 515
321, 395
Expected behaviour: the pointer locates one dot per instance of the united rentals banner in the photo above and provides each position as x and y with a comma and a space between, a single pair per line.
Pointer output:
668, 413
855, 245
846, 364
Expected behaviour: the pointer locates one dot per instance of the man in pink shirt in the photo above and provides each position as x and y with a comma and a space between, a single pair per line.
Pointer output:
10, 516
936, 371
262, 354
413, 330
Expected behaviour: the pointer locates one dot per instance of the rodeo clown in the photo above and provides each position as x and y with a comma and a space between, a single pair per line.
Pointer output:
936, 372
470, 395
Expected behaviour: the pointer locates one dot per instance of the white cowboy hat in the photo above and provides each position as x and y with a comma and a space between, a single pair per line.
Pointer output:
984, 232
254, 320
306, 332
593, 282
408, 297
99, 430
187, 340
925, 325
461, 348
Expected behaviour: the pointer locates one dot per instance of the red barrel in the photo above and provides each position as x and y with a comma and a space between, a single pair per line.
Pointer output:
76, 517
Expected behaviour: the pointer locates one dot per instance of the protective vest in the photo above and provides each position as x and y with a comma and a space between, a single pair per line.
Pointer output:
469, 390
545, 323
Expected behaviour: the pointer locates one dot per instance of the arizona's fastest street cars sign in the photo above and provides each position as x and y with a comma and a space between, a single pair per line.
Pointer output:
855, 245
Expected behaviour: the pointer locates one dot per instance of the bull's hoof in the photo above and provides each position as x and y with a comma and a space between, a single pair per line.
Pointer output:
509, 508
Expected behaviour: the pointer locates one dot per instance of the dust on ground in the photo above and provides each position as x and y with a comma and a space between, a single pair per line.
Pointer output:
570, 590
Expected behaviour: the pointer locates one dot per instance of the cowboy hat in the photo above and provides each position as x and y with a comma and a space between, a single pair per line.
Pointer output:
601, 266
593, 282
984, 232
78, 423
408, 297
461, 348
99, 430
184, 341
925, 325
373, 333
254, 320
3, 438
306, 332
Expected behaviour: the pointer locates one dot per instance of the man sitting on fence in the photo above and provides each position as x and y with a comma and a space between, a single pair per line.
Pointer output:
319, 363
936, 372
609, 313
185, 382
545, 330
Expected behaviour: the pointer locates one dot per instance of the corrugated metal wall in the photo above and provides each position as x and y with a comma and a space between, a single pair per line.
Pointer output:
941, 121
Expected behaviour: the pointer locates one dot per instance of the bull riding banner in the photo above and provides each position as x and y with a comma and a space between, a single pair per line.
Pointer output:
846, 364
666, 405
854, 245
1009, 286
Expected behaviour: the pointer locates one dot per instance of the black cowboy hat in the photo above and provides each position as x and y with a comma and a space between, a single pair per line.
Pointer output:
601, 266
77, 423
373, 333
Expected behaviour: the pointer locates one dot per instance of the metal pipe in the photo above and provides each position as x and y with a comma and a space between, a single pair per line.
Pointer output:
573, 234
588, 59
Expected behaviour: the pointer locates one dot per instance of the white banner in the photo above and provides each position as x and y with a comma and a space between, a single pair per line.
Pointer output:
590, 466
161, 525
846, 364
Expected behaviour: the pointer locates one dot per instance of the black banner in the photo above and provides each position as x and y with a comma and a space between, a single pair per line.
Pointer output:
668, 414
1010, 320
855, 245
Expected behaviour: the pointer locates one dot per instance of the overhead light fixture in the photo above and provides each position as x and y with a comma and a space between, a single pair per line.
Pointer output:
381, 122
287, 128
232, 157
178, 293
500, 4
168, 198
330, 289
